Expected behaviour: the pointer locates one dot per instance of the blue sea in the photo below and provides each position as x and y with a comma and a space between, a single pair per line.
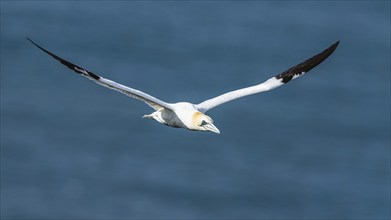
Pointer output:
316, 148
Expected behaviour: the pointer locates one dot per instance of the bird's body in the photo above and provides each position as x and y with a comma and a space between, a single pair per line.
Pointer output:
192, 116
184, 115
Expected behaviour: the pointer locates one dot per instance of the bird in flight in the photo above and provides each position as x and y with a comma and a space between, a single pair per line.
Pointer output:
192, 116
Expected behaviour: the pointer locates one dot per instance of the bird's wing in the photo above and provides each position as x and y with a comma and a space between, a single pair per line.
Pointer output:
271, 83
150, 100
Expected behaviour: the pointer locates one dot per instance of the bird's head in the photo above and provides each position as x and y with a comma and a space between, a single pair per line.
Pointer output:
203, 122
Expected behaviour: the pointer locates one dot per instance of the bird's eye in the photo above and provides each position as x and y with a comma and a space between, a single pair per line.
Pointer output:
204, 123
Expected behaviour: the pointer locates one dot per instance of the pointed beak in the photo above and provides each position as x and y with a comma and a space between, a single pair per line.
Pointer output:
212, 128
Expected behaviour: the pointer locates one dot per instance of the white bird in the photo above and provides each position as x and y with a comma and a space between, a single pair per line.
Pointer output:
192, 116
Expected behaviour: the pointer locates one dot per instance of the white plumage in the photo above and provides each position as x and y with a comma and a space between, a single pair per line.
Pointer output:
192, 116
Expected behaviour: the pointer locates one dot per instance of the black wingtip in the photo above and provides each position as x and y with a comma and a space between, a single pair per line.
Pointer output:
37, 45
33, 43
43, 49
333, 47
70, 65
307, 65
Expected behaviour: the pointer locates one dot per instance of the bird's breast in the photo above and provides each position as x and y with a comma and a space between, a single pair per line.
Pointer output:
170, 118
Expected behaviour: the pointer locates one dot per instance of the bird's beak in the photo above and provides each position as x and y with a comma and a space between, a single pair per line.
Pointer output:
212, 128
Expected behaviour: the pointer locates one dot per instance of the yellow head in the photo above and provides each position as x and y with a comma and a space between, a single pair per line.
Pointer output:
202, 122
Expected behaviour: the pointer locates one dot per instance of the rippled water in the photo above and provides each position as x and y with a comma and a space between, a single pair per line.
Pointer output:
318, 147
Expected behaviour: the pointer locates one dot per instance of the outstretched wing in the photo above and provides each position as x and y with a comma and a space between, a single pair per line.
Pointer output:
274, 82
150, 100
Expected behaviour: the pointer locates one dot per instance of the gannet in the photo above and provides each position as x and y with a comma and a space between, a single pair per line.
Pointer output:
192, 116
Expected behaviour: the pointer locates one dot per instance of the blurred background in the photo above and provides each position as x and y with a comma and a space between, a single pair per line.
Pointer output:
317, 148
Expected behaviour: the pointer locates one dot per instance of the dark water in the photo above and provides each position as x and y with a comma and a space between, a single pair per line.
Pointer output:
318, 148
